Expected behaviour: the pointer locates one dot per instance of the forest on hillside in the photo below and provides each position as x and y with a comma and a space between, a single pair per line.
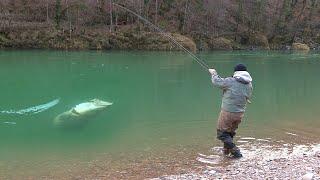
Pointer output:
251, 23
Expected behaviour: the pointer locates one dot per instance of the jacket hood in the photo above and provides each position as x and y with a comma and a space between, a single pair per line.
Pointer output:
242, 77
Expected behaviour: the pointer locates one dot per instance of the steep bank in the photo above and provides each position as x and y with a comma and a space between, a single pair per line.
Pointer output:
101, 39
91, 39
213, 25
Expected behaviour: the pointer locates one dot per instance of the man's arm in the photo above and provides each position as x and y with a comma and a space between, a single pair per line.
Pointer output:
217, 81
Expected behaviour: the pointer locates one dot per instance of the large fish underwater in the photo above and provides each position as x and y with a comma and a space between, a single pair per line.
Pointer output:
34, 109
80, 114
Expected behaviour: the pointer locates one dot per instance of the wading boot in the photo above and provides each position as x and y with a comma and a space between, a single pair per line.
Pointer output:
235, 152
226, 151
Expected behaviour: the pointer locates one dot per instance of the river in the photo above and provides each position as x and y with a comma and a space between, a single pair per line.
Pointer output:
164, 108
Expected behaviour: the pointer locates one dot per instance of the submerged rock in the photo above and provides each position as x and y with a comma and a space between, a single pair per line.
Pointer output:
81, 113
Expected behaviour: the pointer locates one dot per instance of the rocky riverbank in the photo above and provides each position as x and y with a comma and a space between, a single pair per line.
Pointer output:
91, 39
101, 39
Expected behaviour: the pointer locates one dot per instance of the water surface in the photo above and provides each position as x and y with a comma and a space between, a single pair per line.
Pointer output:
162, 101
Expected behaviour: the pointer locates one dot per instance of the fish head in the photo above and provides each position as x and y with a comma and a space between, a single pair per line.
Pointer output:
100, 104
91, 106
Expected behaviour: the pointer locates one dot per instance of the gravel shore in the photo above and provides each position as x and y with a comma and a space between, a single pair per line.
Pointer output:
260, 161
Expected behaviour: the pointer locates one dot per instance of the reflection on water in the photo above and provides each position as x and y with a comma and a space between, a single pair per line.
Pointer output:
164, 101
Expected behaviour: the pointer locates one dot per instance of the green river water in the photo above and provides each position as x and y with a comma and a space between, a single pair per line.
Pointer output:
162, 101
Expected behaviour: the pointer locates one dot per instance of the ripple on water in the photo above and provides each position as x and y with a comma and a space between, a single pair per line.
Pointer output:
292, 134
248, 138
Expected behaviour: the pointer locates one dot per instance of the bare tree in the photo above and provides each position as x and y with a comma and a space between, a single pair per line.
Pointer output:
47, 2
58, 16
156, 18
111, 16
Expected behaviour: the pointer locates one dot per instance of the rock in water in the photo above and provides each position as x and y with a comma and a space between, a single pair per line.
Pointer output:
81, 113
307, 176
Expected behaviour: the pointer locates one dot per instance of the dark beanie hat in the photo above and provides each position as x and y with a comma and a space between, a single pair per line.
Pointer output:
240, 67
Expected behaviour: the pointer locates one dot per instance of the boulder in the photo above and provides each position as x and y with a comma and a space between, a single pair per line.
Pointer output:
220, 43
185, 42
300, 47
151, 41
259, 40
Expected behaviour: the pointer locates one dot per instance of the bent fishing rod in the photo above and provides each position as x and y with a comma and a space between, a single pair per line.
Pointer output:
198, 60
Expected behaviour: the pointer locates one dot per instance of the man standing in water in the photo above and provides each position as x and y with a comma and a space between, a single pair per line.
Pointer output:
237, 91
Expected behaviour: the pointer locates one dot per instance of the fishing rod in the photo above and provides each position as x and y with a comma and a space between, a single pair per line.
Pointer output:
198, 60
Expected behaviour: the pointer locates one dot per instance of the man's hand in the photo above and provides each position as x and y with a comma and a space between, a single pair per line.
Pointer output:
213, 72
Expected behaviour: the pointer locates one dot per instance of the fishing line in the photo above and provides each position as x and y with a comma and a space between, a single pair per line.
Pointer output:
198, 60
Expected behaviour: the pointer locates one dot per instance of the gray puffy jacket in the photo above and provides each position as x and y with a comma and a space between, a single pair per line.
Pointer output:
237, 90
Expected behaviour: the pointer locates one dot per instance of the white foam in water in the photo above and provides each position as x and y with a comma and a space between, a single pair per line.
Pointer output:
208, 159
216, 149
208, 156
33, 110
292, 134
242, 141
263, 140
201, 155
248, 138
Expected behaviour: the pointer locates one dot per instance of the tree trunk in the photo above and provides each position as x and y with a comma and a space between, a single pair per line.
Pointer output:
140, 13
116, 22
296, 27
58, 14
69, 18
156, 18
111, 17
185, 16
47, 11
239, 15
